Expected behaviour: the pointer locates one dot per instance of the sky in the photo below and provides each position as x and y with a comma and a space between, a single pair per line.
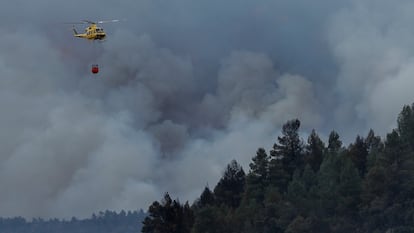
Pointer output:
184, 87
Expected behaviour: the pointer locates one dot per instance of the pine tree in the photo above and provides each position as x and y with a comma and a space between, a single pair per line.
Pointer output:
259, 166
155, 222
257, 178
406, 125
299, 225
309, 178
314, 151
168, 217
327, 186
278, 176
251, 211
301, 192
349, 189
381, 187
374, 146
373, 198
389, 187
358, 153
289, 147
398, 163
206, 198
188, 218
334, 143
210, 219
230, 188
297, 193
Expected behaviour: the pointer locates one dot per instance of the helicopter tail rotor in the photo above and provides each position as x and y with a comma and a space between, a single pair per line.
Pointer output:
74, 30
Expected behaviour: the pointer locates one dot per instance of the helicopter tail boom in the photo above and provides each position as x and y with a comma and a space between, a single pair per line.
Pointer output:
74, 31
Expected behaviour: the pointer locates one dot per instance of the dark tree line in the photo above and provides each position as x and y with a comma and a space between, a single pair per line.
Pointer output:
103, 222
300, 187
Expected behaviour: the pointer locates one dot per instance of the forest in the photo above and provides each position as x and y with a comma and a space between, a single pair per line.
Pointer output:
103, 222
303, 187
297, 187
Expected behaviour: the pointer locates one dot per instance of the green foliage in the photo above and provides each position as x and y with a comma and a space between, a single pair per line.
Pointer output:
309, 178
314, 151
374, 146
334, 143
210, 219
102, 222
298, 225
206, 198
365, 187
289, 147
230, 188
260, 165
301, 191
348, 190
257, 179
168, 217
286, 156
327, 185
297, 192
358, 152
406, 125
278, 176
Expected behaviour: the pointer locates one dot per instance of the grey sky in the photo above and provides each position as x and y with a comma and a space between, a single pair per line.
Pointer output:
185, 87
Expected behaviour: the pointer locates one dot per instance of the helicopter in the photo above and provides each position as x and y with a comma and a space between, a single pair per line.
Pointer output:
93, 31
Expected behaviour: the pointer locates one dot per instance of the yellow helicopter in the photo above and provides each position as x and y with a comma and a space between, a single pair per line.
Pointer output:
93, 31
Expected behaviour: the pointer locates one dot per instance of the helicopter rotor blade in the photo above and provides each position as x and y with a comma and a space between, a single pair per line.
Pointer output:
85, 21
88, 21
109, 21
74, 23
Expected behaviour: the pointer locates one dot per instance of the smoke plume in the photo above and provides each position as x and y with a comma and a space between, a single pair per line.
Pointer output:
184, 87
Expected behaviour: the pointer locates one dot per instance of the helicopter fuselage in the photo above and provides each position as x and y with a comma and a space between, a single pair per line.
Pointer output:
92, 32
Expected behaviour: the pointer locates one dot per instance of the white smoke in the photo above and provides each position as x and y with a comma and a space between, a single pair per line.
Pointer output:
372, 41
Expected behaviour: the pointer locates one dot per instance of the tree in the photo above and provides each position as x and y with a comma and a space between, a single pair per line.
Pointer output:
260, 165
405, 123
278, 176
206, 198
389, 186
300, 225
168, 217
210, 219
358, 153
349, 189
297, 193
314, 151
257, 178
188, 218
327, 186
250, 214
374, 146
230, 188
289, 147
373, 198
155, 222
398, 164
334, 143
